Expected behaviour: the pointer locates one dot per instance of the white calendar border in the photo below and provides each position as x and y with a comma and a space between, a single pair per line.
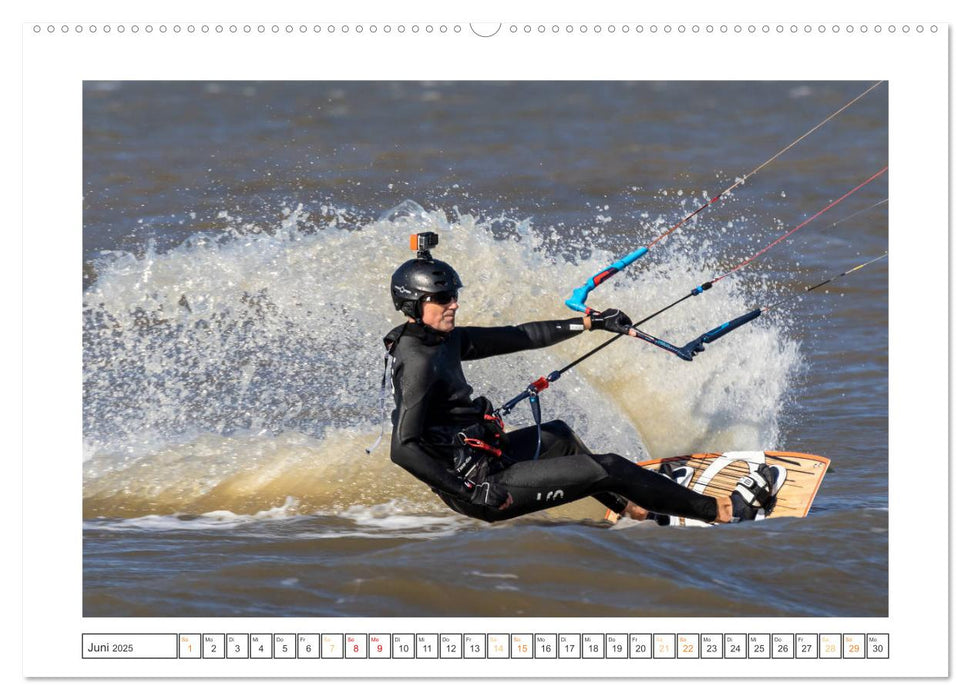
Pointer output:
919, 571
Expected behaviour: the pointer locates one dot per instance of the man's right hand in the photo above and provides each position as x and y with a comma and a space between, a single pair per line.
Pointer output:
612, 320
491, 495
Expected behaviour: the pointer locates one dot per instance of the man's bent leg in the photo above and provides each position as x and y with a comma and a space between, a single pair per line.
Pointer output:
557, 440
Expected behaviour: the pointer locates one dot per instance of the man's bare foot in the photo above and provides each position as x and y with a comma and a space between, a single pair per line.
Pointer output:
724, 509
634, 512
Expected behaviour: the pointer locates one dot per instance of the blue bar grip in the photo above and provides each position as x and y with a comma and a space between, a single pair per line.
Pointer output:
578, 300
698, 344
716, 333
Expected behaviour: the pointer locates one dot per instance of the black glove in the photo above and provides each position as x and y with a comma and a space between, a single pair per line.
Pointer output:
488, 494
472, 464
612, 320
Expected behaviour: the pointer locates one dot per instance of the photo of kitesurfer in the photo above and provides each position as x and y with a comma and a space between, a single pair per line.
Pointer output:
362, 349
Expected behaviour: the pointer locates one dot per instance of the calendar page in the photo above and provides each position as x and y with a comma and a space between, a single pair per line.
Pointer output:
302, 398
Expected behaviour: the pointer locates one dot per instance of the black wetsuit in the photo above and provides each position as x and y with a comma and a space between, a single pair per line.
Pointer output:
433, 403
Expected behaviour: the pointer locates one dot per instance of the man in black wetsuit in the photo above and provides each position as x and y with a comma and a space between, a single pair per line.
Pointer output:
457, 445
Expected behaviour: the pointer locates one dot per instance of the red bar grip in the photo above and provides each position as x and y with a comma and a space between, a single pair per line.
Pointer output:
604, 275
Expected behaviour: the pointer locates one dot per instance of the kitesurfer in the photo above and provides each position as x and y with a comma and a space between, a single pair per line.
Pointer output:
457, 445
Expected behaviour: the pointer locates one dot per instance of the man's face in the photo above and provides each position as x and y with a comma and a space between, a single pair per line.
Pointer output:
438, 311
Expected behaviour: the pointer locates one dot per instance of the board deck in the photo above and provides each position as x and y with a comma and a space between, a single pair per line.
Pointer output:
716, 474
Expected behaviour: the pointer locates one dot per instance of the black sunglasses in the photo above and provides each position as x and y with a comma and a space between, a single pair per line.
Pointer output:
443, 298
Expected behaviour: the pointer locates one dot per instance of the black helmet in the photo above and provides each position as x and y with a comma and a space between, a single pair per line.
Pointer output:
418, 278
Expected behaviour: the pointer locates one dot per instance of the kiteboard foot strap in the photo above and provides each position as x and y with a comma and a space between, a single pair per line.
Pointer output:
755, 494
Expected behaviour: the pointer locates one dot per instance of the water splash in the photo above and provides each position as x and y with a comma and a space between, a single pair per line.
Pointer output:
241, 368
